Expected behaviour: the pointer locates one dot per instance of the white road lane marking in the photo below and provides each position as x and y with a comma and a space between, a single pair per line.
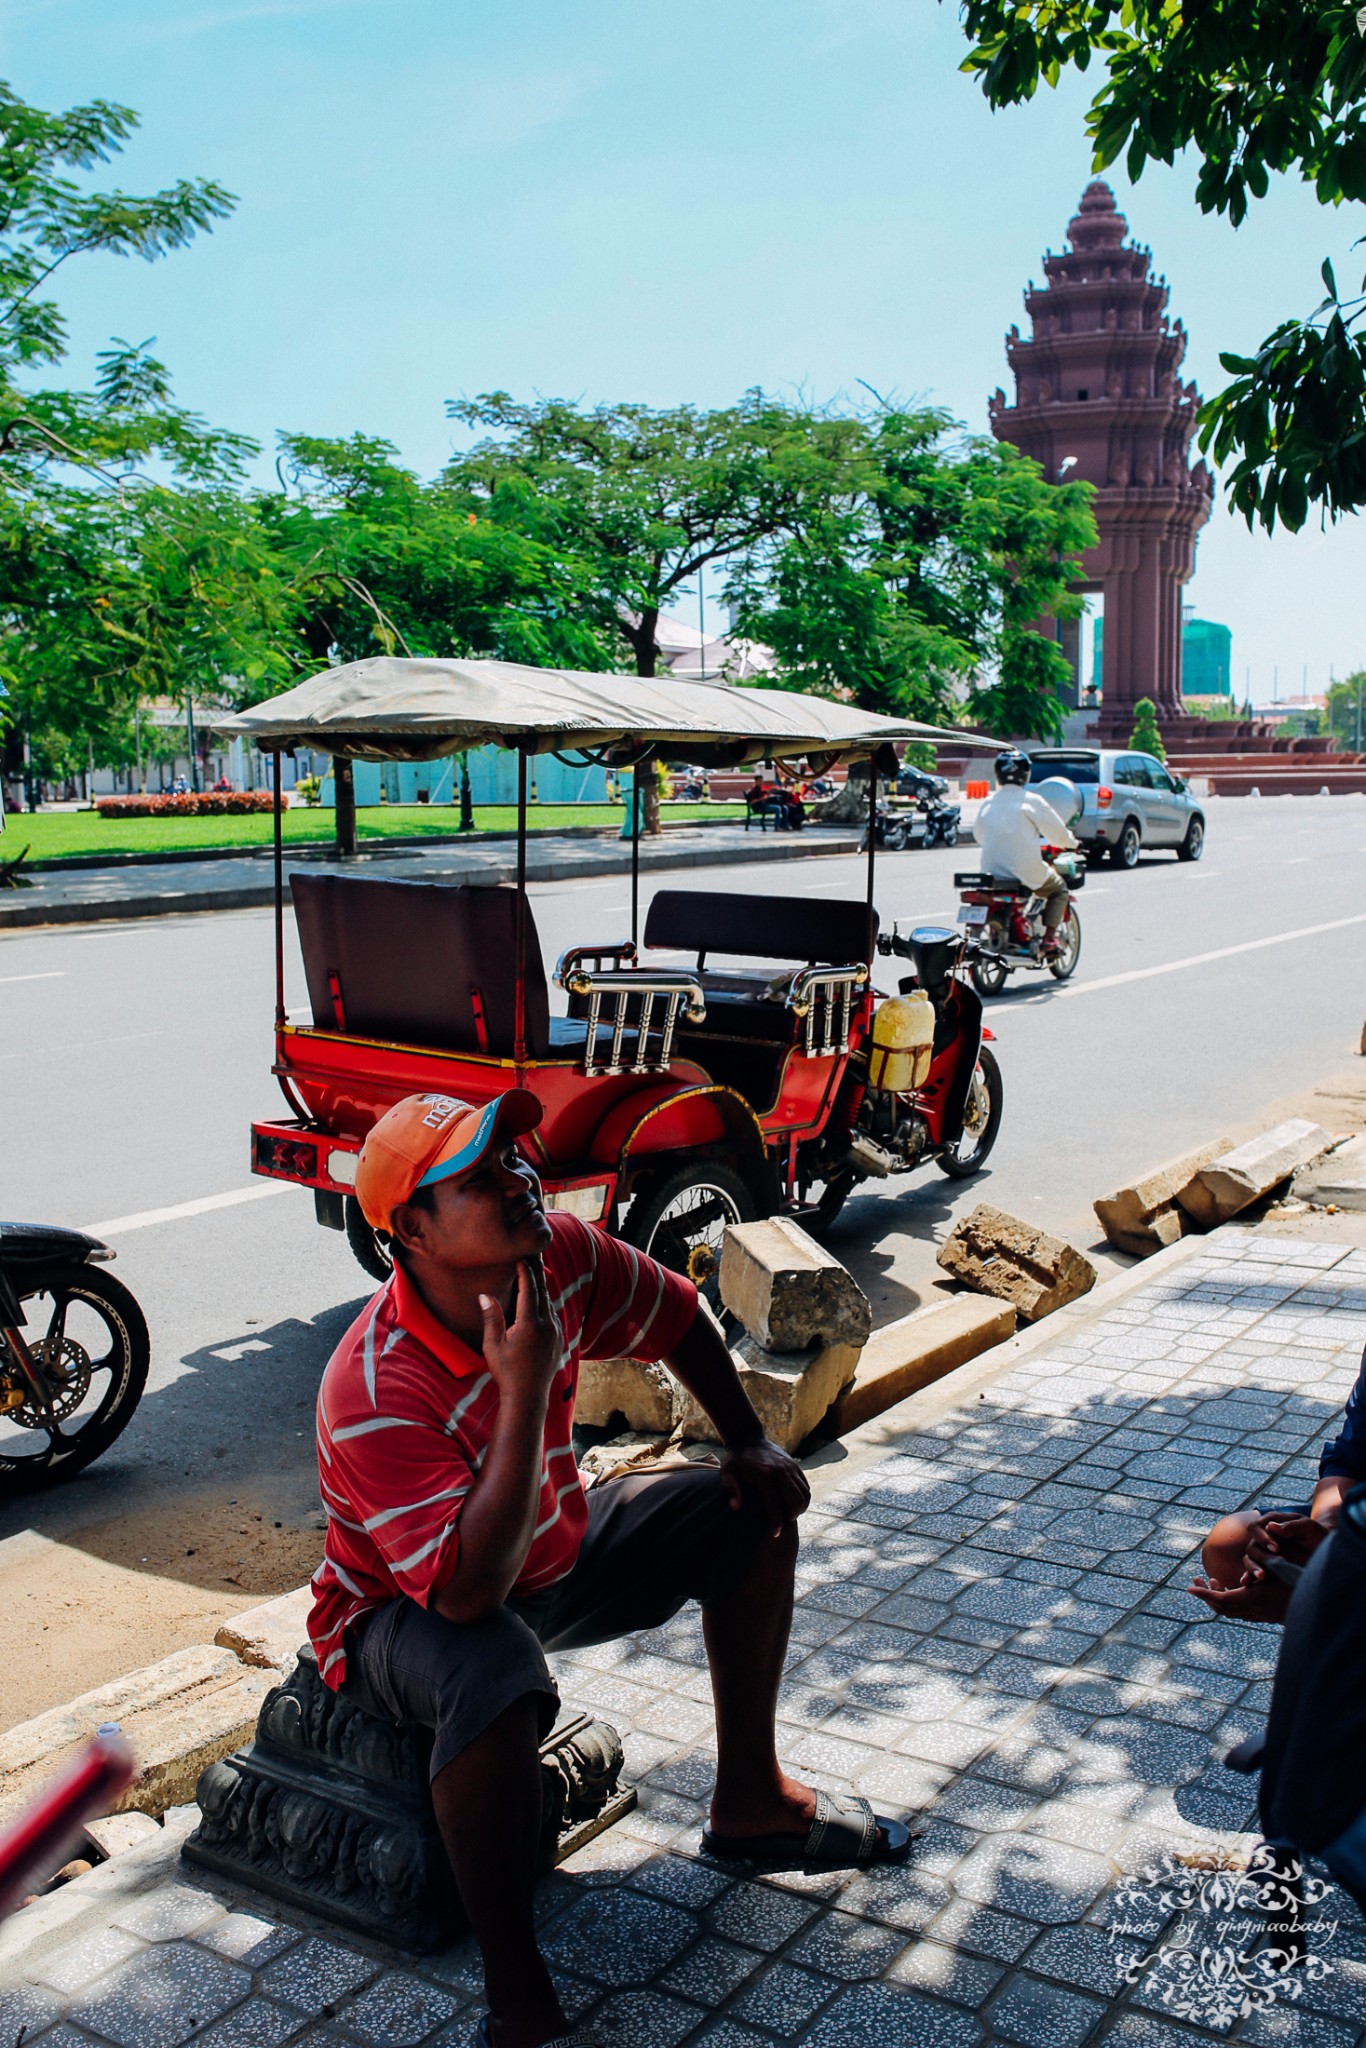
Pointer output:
80, 1045
53, 974
115, 1225
1308, 931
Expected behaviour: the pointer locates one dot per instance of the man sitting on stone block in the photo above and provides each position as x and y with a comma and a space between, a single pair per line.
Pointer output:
1244, 1551
461, 1544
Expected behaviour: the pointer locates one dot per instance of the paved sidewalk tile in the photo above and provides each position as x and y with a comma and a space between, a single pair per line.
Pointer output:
994, 1640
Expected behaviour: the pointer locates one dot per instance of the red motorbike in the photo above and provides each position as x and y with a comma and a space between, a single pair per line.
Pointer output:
1004, 925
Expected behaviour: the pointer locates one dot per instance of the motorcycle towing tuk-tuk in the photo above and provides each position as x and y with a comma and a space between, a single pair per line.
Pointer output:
754, 1070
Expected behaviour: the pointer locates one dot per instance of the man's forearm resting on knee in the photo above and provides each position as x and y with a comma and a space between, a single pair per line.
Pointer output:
702, 1364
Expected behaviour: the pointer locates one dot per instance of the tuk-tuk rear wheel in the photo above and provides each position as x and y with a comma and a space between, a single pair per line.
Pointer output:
681, 1219
372, 1255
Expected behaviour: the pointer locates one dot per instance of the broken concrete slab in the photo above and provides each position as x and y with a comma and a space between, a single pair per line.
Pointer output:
994, 1253
788, 1291
118, 1832
1231, 1184
915, 1351
176, 1716
1145, 1216
792, 1391
268, 1636
623, 1392
1337, 1180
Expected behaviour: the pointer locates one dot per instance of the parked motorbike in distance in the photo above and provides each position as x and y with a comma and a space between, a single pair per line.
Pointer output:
74, 1352
942, 821
1004, 924
893, 830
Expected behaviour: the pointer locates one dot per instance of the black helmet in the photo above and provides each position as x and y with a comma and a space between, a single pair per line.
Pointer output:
1012, 766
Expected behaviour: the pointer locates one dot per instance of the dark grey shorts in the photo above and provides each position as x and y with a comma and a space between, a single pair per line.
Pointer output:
655, 1540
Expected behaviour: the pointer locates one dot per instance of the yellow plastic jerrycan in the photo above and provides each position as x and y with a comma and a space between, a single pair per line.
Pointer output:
903, 1043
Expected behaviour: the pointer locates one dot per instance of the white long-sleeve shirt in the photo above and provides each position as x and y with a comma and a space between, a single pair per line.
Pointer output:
1011, 827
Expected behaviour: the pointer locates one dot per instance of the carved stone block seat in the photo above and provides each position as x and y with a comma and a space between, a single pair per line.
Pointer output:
329, 1809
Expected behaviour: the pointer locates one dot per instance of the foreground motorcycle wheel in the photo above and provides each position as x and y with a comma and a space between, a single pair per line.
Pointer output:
370, 1252
681, 1220
88, 1327
1063, 965
981, 1121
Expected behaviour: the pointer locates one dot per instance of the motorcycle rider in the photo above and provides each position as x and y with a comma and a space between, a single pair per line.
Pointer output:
1012, 827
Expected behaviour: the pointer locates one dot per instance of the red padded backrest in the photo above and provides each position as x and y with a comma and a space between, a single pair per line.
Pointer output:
419, 962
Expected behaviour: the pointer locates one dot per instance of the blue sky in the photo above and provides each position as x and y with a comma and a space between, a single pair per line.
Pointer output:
650, 199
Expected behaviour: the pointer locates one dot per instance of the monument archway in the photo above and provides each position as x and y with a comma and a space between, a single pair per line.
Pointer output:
1098, 400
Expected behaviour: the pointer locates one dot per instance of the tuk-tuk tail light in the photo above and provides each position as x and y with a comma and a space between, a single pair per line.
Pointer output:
284, 1158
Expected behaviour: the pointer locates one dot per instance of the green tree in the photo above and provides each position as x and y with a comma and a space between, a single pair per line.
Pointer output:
70, 460
643, 501
1146, 737
1249, 87
1345, 707
916, 577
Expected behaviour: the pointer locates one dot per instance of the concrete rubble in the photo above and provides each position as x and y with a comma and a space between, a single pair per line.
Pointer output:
624, 1393
792, 1391
997, 1254
1232, 1183
1147, 1215
787, 1290
1337, 1180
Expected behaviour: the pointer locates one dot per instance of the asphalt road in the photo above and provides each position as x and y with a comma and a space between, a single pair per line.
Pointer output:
133, 1057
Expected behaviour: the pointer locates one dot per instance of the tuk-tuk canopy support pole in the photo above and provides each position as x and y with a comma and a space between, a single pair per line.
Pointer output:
279, 896
635, 848
872, 846
519, 1009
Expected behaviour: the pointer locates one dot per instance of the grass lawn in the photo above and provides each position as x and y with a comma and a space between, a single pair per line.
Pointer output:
49, 834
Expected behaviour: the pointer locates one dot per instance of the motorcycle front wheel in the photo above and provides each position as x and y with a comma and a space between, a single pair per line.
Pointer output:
90, 1337
981, 1121
1063, 965
989, 972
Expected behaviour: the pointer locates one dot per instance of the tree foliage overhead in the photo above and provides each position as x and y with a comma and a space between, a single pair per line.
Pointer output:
645, 500
916, 579
1252, 88
882, 559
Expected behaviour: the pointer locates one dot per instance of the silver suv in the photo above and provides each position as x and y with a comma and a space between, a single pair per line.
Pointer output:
1128, 801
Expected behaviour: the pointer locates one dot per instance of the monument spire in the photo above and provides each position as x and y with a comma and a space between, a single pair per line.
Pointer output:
1098, 397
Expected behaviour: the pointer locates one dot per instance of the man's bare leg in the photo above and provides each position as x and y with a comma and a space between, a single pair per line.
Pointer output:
488, 1807
746, 1636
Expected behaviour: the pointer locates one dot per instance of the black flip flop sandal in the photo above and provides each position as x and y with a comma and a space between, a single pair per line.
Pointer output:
577, 2037
844, 1834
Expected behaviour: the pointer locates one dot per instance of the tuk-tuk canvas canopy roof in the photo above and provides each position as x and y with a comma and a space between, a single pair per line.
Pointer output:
392, 709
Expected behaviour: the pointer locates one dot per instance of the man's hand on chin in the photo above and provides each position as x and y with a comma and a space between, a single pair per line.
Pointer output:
778, 1479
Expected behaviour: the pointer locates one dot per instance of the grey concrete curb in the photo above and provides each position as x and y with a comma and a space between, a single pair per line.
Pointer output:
545, 868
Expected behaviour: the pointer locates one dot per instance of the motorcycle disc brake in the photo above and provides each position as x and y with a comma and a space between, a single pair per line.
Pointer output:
65, 1365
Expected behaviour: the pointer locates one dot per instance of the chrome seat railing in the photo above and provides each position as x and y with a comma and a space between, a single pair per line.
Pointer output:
645, 1003
822, 998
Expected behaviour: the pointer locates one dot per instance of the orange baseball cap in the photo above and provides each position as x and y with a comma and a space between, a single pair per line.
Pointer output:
426, 1138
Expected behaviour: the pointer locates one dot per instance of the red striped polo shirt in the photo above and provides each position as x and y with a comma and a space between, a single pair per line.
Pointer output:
406, 1410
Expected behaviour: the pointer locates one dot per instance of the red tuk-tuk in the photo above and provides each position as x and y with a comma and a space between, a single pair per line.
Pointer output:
754, 1070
